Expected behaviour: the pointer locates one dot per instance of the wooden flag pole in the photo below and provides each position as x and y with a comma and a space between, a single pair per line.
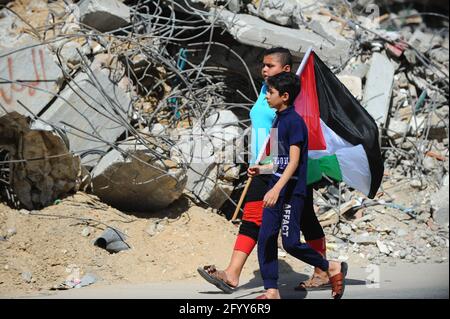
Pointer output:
244, 192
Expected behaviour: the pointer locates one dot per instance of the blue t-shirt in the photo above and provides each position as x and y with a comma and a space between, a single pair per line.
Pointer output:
290, 129
262, 116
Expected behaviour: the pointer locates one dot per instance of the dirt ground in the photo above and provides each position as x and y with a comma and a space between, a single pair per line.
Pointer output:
40, 250
50, 248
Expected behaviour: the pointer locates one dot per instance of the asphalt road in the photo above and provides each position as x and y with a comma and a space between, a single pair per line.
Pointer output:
403, 281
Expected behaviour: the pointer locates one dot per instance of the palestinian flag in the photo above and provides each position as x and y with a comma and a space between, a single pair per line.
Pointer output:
342, 136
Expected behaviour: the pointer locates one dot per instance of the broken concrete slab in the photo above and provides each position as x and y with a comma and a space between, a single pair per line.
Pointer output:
104, 15
208, 149
45, 170
30, 75
92, 111
378, 90
353, 84
424, 41
253, 31
440, 204
279, 12
131, 178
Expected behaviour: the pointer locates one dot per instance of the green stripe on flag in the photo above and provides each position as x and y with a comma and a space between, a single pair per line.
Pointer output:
327, 165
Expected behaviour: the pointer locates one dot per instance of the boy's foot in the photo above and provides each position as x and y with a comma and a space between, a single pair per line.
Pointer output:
217, 277
337, 273
270, 294
318, 281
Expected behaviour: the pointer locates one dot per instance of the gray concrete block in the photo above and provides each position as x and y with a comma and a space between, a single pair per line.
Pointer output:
253, 31
104, 15
93, 108
35, 79
378, 90
138, 182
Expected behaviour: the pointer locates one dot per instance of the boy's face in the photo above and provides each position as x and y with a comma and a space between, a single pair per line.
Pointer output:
272, 66
275, 100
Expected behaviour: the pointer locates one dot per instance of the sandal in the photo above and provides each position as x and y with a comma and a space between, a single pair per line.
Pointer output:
338, 282
212, 275
314, 283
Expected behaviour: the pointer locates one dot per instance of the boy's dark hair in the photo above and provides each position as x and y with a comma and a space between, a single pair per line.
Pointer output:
283, 54
285, 82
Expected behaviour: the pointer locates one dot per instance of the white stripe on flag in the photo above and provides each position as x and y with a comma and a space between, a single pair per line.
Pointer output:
352, 159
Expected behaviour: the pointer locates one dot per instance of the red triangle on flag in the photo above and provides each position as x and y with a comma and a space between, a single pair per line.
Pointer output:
307, 105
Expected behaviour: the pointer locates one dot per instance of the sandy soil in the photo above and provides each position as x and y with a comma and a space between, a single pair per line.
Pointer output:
51, 248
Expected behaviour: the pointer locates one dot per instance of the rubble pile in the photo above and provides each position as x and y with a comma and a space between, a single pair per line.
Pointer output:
152, 101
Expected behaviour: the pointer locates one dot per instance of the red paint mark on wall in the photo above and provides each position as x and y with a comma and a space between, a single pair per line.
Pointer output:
7, 90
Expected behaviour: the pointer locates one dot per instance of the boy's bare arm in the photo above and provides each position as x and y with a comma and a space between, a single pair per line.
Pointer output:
260, 169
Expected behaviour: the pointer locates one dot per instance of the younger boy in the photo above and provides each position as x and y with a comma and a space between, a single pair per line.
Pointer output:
284, 202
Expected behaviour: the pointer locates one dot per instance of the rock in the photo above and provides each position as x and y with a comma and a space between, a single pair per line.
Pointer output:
11, 232
397, 128
402, 254
415, 183
235, 5
279, 12
24, 211
383, 248
27, 276
364, 239
424, 41
345, 229
104, 15
438, 127
401, 232
86, 232
134, 179
429, 163
440, 55
402, 80
151, 229
421, 259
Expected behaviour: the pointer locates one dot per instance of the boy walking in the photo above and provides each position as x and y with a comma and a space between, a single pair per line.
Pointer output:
275, 61
284, 202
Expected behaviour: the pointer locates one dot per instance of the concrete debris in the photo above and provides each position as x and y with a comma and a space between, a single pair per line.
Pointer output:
29, 76
45, 169
253, 31
132, 178
103, 107
353, 84
279, 12
209, 151
104, 15
440, 202
378, 90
